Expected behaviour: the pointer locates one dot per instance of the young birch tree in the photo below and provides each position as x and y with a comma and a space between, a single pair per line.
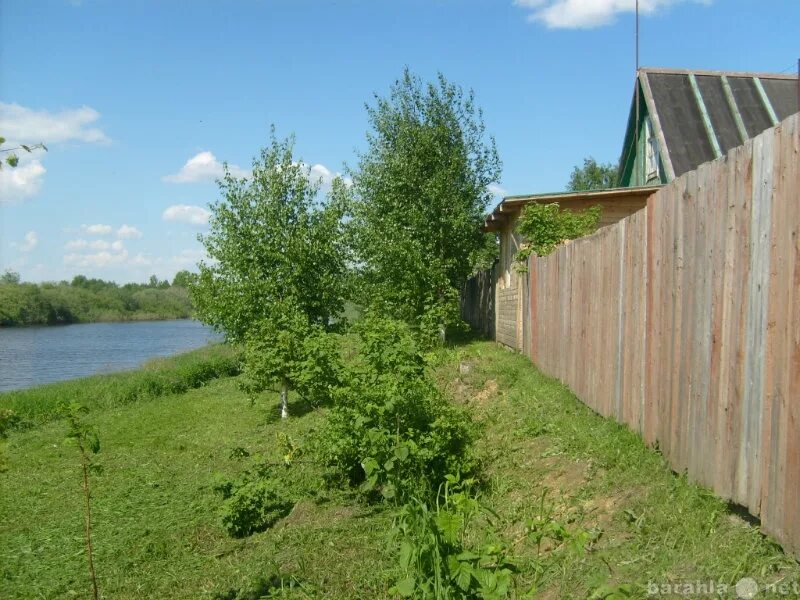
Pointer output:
276, 277
421, 194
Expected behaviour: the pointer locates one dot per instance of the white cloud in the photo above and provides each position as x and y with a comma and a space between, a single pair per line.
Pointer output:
31, 240
26, 125
203, 167
496, 190
128, 232
321, 173
21, 182
585, 14
117, 246
187, 213
80, 244
97, 229
99, 245
140, 260
188, 259
76, 244
103, 258
22, 125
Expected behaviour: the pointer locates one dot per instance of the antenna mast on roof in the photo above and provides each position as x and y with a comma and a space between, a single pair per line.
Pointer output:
636, 86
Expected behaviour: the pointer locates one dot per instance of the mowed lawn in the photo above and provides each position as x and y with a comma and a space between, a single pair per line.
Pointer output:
551, 466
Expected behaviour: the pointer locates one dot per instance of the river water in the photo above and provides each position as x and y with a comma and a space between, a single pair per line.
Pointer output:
34, 355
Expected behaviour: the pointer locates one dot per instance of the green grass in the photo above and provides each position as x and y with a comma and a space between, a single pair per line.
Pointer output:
549, 456
158, 532
157, 377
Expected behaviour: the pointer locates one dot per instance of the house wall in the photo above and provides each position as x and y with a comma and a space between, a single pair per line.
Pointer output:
508, 324
633, 173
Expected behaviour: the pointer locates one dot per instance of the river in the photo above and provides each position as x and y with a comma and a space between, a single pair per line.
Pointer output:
34, 355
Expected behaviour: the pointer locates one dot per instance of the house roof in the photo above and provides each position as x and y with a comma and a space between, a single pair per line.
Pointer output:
513, 204
698, 116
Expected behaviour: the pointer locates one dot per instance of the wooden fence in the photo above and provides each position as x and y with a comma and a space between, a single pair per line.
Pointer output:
683, 321
477, 302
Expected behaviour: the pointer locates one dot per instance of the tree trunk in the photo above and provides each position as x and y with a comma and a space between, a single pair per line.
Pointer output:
284, 399
88, 522
442, 333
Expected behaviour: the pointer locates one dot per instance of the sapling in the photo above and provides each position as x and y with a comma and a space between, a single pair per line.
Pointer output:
278, 273
287, 352
85, 438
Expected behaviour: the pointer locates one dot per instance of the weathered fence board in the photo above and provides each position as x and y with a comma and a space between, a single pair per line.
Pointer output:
683, 321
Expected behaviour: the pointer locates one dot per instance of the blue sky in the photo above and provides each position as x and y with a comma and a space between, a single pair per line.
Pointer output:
140, 101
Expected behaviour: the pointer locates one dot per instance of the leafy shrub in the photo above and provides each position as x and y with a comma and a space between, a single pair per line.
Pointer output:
285, 351
391, 432
545, 226
252, 505
388, 347
434, 556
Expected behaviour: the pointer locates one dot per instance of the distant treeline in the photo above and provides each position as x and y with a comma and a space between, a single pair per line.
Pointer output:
85, 300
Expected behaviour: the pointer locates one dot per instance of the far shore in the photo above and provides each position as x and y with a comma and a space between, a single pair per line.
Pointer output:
128, 319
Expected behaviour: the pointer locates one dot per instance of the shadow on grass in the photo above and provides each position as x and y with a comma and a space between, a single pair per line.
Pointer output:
298, 407
458, 338
265, 586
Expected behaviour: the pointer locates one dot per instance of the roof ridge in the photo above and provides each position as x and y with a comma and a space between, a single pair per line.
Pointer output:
706, 72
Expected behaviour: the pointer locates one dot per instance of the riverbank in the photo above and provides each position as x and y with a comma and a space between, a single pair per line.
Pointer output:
31, 356
130, 318
612, 517
156, 377
90, 301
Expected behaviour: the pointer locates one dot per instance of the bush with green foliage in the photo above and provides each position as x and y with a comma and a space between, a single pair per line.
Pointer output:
253, 505
287, 352
545, 226
8, 420
280, 266
436, 559
392, 434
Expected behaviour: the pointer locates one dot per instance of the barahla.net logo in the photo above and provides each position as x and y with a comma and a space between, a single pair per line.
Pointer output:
746, 588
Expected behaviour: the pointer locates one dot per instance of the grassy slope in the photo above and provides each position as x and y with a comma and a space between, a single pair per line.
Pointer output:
158, 533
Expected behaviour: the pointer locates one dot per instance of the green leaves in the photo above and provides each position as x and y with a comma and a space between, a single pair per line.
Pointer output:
433, 556
545, 226
11, 159
272, 242
391, 433
79, 432
420, 195
592, 176
406, 587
